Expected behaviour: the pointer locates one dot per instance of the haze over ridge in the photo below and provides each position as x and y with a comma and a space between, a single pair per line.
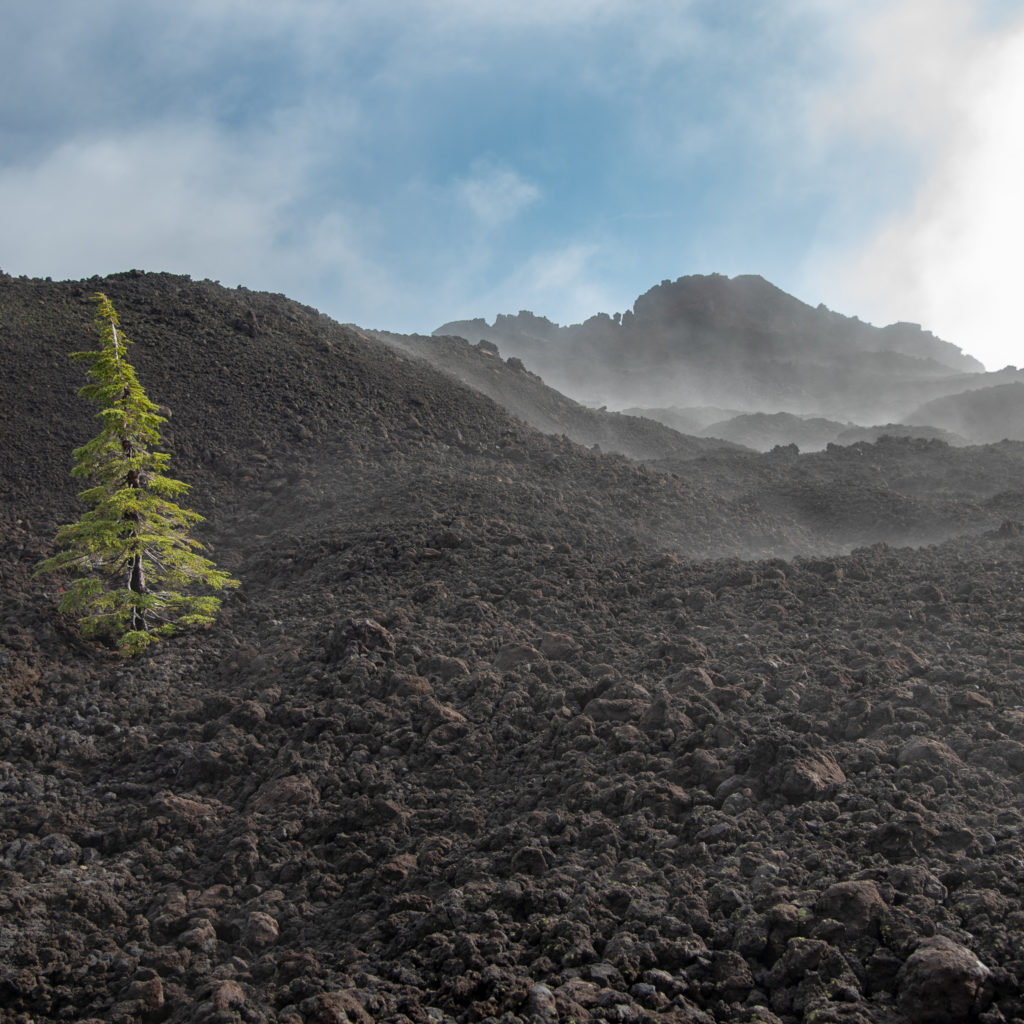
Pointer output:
739, 343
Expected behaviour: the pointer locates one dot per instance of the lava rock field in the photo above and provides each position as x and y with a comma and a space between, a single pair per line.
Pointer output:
498, 727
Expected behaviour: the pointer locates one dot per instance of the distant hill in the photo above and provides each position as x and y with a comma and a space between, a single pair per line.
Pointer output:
852, 435
740, 343
983, 415
763, 431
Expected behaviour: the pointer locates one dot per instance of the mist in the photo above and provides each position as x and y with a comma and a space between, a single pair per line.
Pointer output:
740, 360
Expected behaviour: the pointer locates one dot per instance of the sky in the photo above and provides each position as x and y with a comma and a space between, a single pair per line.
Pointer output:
402, 163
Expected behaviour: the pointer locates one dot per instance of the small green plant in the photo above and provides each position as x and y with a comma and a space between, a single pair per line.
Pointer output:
131, 552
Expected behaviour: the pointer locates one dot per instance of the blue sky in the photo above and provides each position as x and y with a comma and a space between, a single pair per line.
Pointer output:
400, 163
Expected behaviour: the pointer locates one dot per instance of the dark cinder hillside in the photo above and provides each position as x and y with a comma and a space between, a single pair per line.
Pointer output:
499, 728
525, 395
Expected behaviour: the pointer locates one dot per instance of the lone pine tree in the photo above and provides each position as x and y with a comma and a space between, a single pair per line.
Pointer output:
131, 551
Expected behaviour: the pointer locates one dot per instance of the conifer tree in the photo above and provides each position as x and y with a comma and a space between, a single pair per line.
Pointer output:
131, 552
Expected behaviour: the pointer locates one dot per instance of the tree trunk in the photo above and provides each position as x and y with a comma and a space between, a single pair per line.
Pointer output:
137, 583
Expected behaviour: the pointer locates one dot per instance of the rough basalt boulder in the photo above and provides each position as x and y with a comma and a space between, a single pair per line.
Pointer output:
943, 982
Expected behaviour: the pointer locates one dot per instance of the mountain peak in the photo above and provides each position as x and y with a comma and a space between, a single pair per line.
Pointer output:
732, 341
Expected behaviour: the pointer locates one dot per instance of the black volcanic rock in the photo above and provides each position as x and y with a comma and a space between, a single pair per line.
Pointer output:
487, 735
902, 490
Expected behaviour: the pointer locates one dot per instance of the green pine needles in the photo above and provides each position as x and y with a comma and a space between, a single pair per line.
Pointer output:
131, 551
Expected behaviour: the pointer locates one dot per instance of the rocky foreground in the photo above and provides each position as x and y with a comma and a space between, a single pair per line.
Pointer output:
486, 734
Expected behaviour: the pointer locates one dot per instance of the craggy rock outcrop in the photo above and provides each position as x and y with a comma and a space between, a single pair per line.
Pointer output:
738, 343
487, 734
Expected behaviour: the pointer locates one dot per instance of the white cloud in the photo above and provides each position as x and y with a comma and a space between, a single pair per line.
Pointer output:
900, 64
182, 192
955, 256
928, 82
531, 13
314, 148
186, 199
496, 194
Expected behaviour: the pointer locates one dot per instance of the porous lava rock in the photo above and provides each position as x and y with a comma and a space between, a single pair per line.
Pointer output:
942, 982
715, 777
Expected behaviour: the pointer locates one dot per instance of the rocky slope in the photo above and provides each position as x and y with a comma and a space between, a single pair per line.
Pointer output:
487, 734
525, 395
986, 414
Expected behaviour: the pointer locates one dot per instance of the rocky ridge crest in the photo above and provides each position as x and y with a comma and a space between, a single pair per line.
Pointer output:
738, 343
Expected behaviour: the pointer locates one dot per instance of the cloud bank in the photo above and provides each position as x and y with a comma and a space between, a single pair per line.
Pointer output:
950, 257
400, 165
